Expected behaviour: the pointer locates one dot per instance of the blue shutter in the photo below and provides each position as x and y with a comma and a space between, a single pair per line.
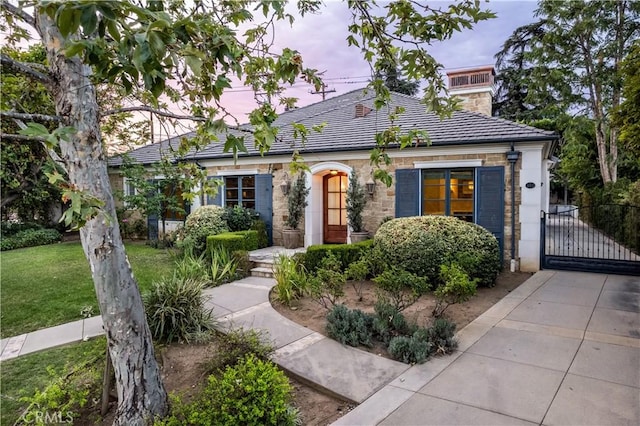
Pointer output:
152, 217
490, 201
407, 192
264, 202
217, 200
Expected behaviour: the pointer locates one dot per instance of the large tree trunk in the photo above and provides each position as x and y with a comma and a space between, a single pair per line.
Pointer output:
141, 395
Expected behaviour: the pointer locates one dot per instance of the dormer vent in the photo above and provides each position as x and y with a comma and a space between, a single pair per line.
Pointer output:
362, 110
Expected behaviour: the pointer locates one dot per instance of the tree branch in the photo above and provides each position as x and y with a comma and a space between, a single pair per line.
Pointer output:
18, 12
29, 117
14, 137
154, 111
23, 69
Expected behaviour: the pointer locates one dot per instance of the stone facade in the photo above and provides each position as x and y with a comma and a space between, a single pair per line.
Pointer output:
477, 101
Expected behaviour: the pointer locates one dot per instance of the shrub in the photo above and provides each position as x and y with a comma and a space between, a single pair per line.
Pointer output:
9, 228
355, 203
30, 238
388, 322
291, 279
457, 288
413, 349
253, 392
328, 284
350, 327
421, 244
243, 263
401, 287
441, 335
191, 267
67, 393
239, 218
224, 266
297, 201
236, 345
357, 272
175, 310
233, 241
345, 253
261, 228
205, 221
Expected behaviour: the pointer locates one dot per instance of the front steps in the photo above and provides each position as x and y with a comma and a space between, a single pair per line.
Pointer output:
262, 268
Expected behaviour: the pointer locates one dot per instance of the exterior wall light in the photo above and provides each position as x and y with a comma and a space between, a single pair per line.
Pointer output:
285, 185
371, 187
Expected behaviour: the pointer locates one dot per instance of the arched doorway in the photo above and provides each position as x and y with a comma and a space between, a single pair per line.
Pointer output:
334, 194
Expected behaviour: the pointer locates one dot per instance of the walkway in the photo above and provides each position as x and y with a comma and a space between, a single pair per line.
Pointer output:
563, 348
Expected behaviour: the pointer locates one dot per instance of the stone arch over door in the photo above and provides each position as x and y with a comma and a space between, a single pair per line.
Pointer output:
313, 213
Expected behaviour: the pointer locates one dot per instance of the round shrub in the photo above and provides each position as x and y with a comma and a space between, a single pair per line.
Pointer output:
205, 221
421, 244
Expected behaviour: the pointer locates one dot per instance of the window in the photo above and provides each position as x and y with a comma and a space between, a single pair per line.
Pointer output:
174, 206
448, 192
240, 191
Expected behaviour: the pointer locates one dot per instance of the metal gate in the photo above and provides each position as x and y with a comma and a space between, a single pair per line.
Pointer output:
603, 238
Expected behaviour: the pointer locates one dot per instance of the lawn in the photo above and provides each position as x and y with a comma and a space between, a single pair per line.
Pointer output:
23, 375
50, 285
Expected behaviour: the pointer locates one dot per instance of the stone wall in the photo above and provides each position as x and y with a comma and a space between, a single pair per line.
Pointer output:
476, 102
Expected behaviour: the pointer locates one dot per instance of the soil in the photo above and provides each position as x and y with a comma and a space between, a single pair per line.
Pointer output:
184, 370
184, 373
311, 314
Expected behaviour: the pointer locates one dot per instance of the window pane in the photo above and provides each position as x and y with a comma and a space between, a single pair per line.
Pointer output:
333, 184
461, 208
232, 194
248, 182
433, 207
343, 200
231, 203
248, 193
333, 200
343, 217
333, 217
231, 182
249, 204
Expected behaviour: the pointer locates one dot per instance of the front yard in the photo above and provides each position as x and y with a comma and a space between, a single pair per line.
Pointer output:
49, 285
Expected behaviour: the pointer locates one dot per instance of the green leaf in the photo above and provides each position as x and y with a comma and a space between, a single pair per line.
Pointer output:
35, 129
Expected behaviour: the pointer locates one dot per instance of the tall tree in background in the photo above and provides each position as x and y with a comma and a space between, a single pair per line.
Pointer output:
196, 47
579, 58
393, 81
628, 115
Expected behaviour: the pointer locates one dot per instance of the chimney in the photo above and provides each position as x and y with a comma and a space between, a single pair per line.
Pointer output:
362, 111
474, 87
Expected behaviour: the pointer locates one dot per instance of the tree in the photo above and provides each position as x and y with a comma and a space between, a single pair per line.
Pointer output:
395, 83
627, 117
26, 190
579, 58
189, 50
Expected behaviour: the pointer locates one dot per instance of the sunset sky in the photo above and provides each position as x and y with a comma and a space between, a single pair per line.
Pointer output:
321, 39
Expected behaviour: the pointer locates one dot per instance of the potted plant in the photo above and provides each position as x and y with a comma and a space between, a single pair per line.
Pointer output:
296, 203
356, 201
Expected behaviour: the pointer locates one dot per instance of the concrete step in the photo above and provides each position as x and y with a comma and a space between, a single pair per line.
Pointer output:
262, 272
263, 264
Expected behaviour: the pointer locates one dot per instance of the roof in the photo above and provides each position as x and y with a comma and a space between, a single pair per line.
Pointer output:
346, 132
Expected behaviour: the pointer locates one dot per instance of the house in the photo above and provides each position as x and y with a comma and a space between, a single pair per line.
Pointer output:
478, 168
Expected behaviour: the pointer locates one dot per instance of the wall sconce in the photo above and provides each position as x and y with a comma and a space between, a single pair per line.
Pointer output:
333, 172
285, 185
371, 187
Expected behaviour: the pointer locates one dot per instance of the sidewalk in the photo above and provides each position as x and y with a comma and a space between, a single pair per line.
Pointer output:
563, 348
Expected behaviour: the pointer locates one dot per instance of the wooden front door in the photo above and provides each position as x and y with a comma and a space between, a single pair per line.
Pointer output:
335, 213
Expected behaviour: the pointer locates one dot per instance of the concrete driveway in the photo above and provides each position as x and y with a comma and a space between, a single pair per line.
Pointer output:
562, 349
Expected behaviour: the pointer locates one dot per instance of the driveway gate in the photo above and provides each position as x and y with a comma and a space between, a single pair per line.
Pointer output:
603, 238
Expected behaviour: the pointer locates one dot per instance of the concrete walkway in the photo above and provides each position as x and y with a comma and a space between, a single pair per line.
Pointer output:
563, 348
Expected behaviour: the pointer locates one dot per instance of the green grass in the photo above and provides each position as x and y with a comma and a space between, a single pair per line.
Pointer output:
49, 285
22, 376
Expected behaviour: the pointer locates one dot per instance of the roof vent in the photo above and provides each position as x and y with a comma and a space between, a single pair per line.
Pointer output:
362, 111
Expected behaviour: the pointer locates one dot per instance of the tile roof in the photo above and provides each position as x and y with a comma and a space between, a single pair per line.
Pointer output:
346, 132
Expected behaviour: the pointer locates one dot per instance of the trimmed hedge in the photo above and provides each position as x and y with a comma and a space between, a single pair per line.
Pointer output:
30, 237
233, 241
345, 253
421, 244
